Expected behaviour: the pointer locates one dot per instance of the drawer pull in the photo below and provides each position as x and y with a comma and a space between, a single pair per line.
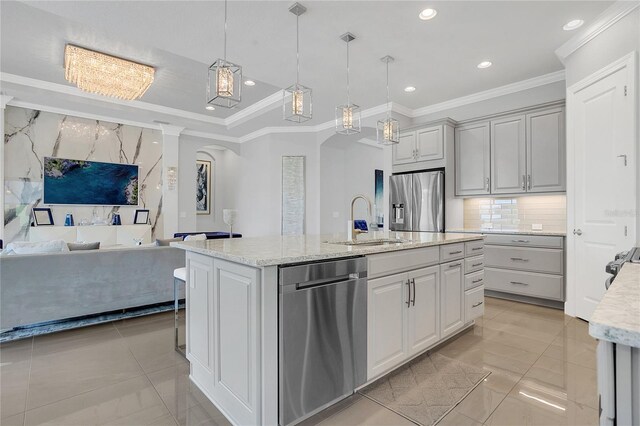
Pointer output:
477, 248
476, 281
520, 241
518, 283
476, 264
455, 252
475, 305
519, 259
454, 265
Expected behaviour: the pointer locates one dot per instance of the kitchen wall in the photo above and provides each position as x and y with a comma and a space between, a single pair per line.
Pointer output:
30, 135
517, 213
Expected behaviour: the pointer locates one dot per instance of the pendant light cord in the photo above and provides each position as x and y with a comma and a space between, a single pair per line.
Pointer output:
297, 50
388, 96
225, 31
348, 94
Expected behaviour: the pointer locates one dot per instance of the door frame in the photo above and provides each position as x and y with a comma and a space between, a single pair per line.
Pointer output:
629, 61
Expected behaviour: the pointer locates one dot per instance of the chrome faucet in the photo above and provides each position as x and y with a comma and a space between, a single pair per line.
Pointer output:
355, 231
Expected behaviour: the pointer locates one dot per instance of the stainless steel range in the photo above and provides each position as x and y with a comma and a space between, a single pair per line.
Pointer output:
613, 267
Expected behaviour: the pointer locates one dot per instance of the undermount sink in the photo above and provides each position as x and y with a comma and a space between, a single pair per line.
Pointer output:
376, 242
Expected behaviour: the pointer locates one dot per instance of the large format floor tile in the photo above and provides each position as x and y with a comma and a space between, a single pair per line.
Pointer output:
366, 412
15, 365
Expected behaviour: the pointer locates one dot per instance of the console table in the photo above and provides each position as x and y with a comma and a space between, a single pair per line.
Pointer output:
107, 235
210, 235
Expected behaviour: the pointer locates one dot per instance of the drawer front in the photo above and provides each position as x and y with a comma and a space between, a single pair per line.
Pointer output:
525, 283
524, 240
472, 248
473, 264
404, 260
473, 280
451, 252
474, 303
525, 259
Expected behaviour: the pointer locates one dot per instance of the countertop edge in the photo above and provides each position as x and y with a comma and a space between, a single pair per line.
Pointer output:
508, 232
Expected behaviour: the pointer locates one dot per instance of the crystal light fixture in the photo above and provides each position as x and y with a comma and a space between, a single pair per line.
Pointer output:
106, 75
224, 82
348, 115
388, 130
297, 99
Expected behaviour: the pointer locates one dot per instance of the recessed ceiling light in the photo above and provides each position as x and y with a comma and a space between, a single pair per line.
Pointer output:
249, 83
155, 142
210, 107
572, 25
484, 64
427, 14
409, 89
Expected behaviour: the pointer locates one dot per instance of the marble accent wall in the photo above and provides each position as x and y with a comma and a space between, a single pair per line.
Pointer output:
31, 135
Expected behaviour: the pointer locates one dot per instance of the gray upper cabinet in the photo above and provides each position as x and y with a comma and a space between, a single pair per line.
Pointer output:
546, 151
508, 155
405, 151
425, 144
472, 159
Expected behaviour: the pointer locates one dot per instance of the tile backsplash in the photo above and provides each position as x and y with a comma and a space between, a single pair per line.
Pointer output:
517, 213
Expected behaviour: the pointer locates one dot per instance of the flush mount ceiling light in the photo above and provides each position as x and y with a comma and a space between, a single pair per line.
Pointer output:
106, 75
409, 89
297, 99
427, 14
388, 130
224, 78
484, 64
572, 25
249, 83
348, 115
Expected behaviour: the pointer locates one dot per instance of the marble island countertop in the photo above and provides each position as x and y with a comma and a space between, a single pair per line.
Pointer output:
617, 317
509, 231
280, 250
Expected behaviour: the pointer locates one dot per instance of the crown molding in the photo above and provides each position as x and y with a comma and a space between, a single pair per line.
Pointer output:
74, 91
213, 136
170, 130
254, 110
4, 100
606, 19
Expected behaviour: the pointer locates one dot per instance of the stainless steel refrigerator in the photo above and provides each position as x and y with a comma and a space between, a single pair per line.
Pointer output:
416, 202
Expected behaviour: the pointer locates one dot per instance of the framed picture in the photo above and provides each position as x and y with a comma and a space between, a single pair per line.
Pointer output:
203, 187
141, 217
42, 216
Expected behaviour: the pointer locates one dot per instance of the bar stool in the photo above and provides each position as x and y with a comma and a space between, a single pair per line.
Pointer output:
179, 279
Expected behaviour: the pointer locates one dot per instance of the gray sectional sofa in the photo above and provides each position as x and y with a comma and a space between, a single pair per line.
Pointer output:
37, 288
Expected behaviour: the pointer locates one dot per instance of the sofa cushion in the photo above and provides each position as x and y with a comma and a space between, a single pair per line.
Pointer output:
84, 246
27, 247
166, 242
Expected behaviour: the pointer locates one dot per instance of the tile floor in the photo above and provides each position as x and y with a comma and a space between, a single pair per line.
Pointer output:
542, 367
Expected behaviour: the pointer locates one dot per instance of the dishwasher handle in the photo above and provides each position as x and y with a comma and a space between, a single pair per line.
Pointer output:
347, 279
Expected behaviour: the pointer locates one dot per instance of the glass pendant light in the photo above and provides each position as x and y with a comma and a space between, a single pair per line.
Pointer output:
388, 130
296, 102
348, 115
224, 80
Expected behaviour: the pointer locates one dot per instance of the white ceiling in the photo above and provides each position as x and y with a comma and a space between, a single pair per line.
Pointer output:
181, 38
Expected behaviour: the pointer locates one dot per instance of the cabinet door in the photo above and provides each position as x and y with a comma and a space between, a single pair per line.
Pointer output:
472, 159
430, 143
386, 323
422, 326
508, 156
451, 298
236, 310
403, 152
199, 300
546, 162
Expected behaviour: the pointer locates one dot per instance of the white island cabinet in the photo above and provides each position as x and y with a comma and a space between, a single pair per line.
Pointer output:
233, 309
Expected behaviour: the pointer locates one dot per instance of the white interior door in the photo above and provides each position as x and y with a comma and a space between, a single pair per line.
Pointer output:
603, 162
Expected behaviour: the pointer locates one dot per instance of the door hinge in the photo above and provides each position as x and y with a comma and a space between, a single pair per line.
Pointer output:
625, 230
625, 90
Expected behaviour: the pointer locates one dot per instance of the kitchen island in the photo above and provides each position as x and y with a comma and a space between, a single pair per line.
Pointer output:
419, 289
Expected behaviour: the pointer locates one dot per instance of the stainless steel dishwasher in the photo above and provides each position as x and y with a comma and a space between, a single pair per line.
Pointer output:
322, 335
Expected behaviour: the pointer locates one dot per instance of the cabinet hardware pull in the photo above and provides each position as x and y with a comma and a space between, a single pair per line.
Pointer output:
529, 180
409, 294
518, 283
477, 248
519, 259
413, 299
524, 182
476, 281
454, 265
455, 252
488, 186
475, 305
520, 241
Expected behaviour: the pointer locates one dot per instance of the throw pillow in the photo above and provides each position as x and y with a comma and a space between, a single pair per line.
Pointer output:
167, 242
27, 247
84, 246
197, 237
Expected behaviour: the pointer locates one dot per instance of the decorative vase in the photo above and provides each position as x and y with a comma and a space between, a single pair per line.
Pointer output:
229, 216
115, 220
68, 220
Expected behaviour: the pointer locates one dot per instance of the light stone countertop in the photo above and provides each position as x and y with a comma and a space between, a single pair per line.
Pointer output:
510, 232
617, 317
281, 250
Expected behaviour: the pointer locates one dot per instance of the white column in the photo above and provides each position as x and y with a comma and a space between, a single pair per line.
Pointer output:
4, 100
170, 153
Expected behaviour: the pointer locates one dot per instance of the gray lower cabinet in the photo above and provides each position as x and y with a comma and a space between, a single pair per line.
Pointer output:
451, 297
531, 266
